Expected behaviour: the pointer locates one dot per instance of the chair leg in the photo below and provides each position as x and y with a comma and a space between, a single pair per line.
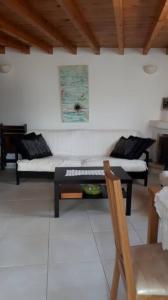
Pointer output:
146, 179
17, 178
116, 277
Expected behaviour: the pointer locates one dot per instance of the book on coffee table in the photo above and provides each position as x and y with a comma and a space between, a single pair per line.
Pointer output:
73, 191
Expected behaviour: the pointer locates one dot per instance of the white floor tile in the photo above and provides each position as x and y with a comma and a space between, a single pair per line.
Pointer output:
98, 205
139, 221
69, 225
25, 208
100, 221
26, 194
77, 247
23, 251
77, 281
134, 237
24, 226
142, 233
28, 191
108, 266
28, 283
73, 207
106, 245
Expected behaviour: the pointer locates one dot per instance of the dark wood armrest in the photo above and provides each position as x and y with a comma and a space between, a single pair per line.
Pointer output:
146, 157
16, 156
153, 218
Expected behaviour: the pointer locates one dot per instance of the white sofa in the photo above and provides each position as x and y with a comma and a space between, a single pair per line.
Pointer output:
75, 148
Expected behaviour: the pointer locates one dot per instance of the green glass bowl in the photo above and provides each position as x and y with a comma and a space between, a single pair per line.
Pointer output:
92, 189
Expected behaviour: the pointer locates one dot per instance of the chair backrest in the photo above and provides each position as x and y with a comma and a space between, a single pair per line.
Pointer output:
120, 229
7, 133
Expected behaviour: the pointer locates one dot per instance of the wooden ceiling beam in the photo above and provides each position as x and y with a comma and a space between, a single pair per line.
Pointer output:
22, 8
2, 49
119, 21
77, 18
12, 30
158, 24
11, 43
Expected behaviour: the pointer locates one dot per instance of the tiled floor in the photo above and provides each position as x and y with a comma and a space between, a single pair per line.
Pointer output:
69, 258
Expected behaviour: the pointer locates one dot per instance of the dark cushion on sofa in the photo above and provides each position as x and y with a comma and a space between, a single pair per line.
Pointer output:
142, 144
43, 148
18, 143
123, 148
36, 147
132, 147
32, 146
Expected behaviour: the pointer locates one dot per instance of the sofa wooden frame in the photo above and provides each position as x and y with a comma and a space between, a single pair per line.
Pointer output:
34, 174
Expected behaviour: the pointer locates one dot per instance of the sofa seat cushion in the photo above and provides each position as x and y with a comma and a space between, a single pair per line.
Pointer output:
134, 165
47, 164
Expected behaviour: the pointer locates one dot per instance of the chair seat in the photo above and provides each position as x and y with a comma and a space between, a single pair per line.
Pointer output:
150, 265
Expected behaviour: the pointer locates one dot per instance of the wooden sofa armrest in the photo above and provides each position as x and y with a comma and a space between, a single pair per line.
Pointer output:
153, 218
146, 153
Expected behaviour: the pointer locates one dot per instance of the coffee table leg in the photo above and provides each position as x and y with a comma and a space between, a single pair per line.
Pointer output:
57, 196
128, 199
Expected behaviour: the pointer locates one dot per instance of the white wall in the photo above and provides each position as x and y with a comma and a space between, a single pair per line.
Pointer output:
121, 94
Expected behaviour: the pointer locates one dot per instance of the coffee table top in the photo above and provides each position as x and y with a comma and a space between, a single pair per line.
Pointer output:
60, 177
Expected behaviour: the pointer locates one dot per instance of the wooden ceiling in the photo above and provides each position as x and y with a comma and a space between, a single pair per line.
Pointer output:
49, 24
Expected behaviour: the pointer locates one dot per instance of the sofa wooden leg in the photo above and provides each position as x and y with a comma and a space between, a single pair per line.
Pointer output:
17, 178
146, 180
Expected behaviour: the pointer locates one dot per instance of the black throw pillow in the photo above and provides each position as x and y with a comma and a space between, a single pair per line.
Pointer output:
132, 147
42, 147
123, 148
119, 147
142, 144
36, 147
19, 145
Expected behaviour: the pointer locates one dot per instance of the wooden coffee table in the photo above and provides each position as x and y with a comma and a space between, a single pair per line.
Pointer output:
61, 179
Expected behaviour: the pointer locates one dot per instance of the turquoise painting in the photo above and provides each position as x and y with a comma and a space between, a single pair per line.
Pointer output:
74, 93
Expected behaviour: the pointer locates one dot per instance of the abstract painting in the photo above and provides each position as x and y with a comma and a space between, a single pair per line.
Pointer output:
74, 93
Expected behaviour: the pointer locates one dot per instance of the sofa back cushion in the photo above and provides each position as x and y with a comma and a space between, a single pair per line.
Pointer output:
123, 148
83, 142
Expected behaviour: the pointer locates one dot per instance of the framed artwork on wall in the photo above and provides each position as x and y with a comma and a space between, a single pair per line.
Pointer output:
74, 93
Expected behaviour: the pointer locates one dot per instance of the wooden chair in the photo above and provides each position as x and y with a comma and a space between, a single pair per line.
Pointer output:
153, 218
143, 268
7, 133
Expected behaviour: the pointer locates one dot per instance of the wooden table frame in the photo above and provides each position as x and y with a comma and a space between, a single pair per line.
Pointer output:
60, 179
153, 218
